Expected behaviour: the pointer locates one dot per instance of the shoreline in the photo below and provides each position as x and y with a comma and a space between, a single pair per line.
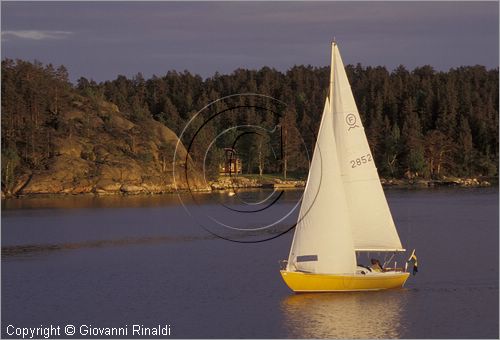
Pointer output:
244, 183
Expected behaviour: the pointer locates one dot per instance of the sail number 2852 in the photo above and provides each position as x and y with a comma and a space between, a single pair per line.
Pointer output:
361, 160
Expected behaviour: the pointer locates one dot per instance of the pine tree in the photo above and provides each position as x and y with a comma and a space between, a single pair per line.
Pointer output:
392, 149
465, 149
412, 139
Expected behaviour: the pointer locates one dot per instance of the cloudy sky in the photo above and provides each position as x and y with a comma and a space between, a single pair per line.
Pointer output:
100, 40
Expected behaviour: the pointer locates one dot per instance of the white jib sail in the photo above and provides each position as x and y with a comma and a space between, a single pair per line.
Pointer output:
323, 242
371, 220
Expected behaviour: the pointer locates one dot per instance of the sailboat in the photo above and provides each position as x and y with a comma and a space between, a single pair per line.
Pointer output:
343, 210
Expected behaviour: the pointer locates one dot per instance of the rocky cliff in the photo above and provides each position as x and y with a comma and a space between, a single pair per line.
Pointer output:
104, 151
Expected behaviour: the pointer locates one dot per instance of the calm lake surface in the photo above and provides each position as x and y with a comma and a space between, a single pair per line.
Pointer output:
116, 261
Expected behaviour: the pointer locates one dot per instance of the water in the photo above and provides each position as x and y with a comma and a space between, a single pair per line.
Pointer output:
116, 261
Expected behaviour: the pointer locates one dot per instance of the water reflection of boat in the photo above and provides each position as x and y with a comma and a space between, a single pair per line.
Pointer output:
348, 315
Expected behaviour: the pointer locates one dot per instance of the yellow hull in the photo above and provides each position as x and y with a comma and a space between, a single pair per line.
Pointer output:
306, 282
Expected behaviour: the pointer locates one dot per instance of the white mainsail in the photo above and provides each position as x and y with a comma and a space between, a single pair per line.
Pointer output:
371, 220
323, 239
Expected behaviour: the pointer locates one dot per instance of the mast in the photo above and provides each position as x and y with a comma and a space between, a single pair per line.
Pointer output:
323, 242
331, 71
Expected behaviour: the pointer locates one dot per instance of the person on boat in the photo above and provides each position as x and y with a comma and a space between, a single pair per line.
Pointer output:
376, 266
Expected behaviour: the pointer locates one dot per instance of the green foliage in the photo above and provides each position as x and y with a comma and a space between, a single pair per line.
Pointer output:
419, 123
399, 110
34, 96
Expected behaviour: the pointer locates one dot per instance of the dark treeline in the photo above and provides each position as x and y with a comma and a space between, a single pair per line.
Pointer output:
34, 96
419, 123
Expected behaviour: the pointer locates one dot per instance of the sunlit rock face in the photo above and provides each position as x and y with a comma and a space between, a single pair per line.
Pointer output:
105, 151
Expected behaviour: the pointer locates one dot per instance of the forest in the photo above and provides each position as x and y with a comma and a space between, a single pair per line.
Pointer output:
420, 123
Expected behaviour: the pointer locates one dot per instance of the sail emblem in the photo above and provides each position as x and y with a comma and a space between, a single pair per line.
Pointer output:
351, 121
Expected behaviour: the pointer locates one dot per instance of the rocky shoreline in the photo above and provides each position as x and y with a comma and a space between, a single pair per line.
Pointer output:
242, 182
225, 183
48, 185
432, 183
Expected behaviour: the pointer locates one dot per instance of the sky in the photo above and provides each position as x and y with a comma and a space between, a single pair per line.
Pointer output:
100, 40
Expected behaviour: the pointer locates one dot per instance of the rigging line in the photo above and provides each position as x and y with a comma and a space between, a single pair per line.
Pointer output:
408, 228
389, 260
